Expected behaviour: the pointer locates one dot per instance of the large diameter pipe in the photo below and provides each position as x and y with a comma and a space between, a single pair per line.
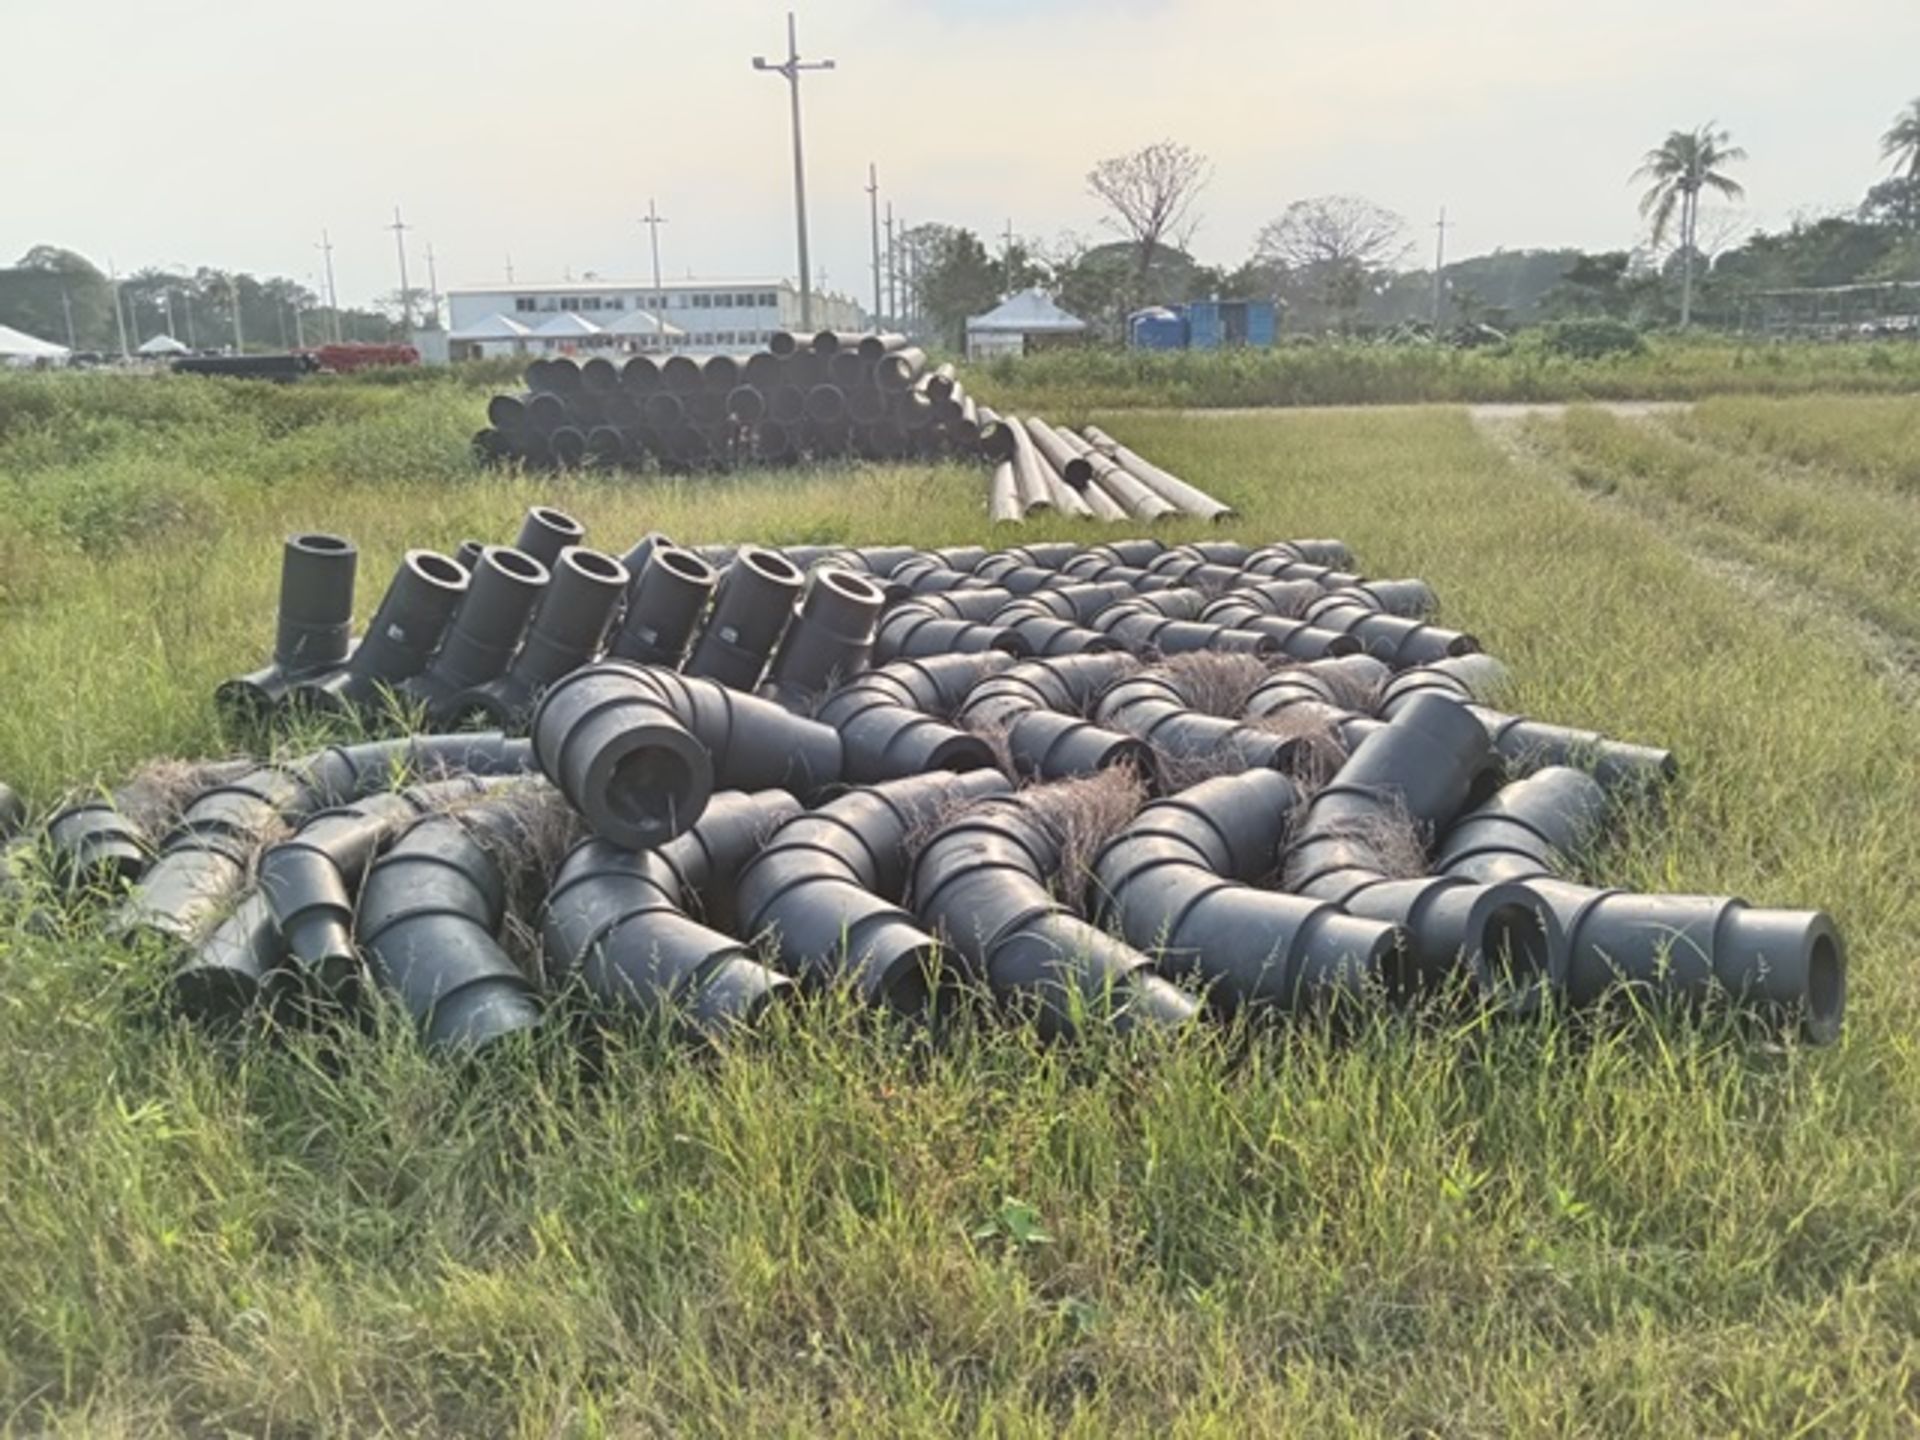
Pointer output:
664, 606
1072, 467
1136, 499
1187, 498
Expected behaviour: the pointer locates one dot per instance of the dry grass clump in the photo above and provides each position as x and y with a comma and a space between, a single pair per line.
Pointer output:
1081, 816
1318, 751
1215, 682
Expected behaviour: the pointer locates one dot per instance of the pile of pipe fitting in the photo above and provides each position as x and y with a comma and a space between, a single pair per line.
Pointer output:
869, 396
869, 769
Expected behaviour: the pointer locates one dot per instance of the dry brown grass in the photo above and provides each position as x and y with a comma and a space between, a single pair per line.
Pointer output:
1217, 683
1081, 816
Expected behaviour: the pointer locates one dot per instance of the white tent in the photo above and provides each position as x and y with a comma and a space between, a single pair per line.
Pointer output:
640, 323
494, 327
19, 348
1005, 328
162, 345
567, 325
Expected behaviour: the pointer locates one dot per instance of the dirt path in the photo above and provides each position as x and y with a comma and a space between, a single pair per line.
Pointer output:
1894, 657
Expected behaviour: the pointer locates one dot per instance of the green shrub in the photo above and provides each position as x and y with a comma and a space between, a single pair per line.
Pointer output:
1592, 339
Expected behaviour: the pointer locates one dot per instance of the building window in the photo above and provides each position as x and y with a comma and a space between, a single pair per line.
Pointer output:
703, 302
769, 298
525, 303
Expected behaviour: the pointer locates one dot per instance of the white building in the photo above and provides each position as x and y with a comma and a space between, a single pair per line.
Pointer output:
702, 315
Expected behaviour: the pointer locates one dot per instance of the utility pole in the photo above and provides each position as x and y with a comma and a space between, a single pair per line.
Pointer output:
186, 307
233, 294
433, 290
325, 247
1008, 255
66, 306
171, 331
906, 277
119, 318
873, 220
893, 272
400, 228
1439, 269
509, 267
653, 220
792, 69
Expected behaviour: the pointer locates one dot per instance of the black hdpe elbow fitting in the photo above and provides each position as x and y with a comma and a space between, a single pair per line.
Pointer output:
315, 626
751, 609
1786, 967
1152, 707
545, 532
638, 751
1046, 745
668, 597
308, 882
1397, 641
406, 629
486, 629
938, 685
93, 845
1425, 767
1288, 599
980, 884
227, 974
204, 862
825, 888
1528, 830
1409, 599
568, 626
916, 632
978, 603
886, 733
429, 916
1621, 767
612, 743
832, 635
621, 921
1477, 678
1344, 683
1046, 635
1179, 880
1147, 632
341, 774
1301, 639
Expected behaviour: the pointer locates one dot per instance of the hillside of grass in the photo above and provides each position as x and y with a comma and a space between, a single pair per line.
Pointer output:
1654, 1225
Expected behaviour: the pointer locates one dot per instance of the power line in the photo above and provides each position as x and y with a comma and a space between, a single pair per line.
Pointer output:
791, 68
893, 271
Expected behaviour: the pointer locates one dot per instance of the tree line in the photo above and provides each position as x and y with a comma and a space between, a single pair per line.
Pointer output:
59, 295
1339, 262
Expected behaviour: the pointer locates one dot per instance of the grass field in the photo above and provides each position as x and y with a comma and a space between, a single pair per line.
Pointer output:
1659, 1226
1069, 382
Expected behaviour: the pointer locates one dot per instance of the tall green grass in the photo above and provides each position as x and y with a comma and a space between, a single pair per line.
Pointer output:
1443, 1226
1871, 438
1069, 382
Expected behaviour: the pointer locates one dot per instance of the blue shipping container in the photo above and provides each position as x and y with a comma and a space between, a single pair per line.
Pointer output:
1219, 324
1157, 329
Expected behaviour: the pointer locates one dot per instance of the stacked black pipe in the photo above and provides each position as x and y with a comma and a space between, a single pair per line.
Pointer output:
835, 396
869, 768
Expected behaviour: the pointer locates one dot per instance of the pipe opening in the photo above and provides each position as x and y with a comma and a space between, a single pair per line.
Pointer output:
771, 565
1514, 949
908, 989
321, 544
1826, 980
650, 790
683, 563
852, 586
591, 562
557, 520
516, 563
437, 569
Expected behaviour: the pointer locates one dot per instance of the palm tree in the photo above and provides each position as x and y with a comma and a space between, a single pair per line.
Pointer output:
1901, 144
1686, 163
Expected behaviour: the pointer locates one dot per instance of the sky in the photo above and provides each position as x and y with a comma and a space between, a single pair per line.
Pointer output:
169, 133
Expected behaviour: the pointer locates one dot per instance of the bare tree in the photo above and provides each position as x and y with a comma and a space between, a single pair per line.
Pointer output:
1150, 193
1332, 244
